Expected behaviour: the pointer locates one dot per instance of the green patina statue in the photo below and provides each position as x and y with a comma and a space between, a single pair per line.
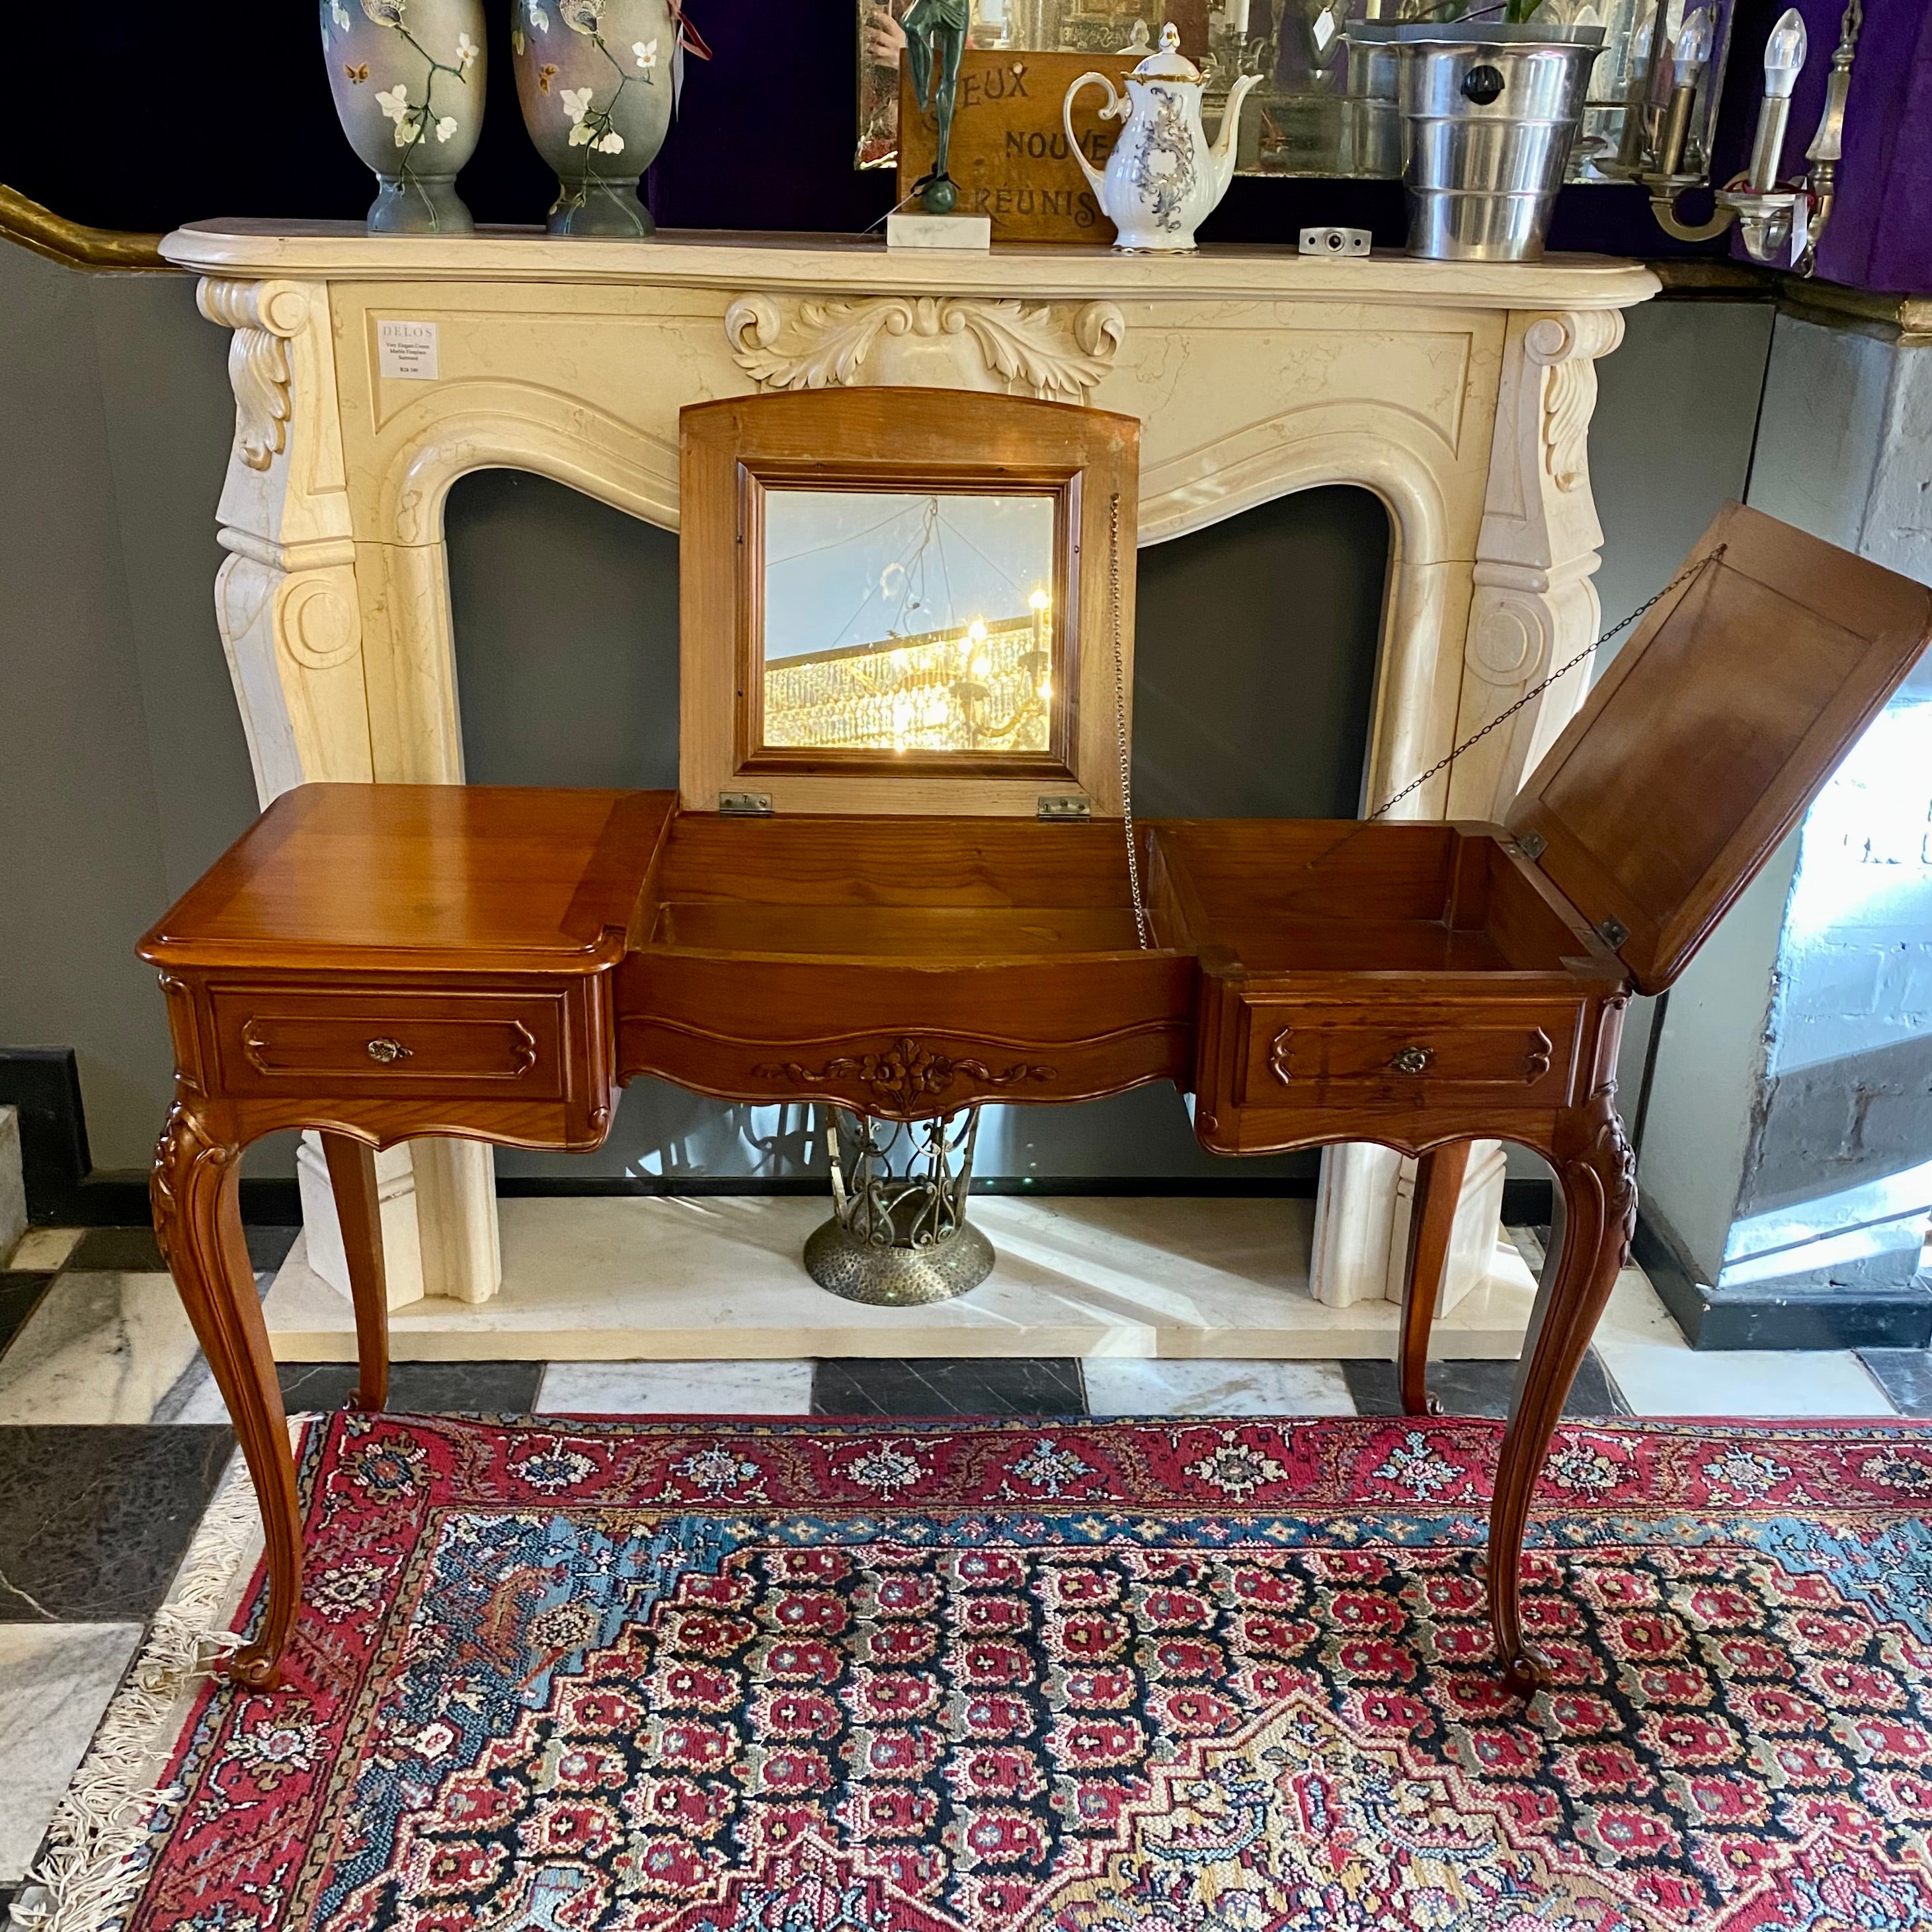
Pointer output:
935, 31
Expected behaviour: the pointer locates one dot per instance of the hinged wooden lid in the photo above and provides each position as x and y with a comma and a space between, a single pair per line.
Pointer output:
1713, 729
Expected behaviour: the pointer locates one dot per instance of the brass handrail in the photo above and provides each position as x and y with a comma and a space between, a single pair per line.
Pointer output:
69, 242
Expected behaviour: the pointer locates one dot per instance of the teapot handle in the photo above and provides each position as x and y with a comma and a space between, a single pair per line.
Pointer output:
1111, 112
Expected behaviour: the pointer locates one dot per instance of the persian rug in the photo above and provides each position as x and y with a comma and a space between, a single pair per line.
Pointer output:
1175, 1676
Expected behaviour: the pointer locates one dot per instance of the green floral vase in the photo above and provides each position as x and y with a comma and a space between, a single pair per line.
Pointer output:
408, 79
595, 78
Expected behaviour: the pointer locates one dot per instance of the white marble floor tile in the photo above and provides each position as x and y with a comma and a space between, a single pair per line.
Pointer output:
45, 1249
675, 1388
106, 1348
618, 1279
55, 1681
1119, 1385
1660, 1373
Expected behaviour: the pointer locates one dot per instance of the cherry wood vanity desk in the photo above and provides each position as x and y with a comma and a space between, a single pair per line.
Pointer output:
382, 962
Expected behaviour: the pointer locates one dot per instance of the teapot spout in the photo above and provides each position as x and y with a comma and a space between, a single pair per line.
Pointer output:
1223, 152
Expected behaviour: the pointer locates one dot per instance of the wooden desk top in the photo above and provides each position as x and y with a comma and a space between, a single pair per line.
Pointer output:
471, 878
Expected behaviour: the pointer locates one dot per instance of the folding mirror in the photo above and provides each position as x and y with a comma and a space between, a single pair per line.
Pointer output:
905, 600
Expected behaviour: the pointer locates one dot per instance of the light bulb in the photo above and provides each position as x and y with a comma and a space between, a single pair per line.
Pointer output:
1692, 53
1039, 600
977, 630
980, 666
1784, 55
1639, 57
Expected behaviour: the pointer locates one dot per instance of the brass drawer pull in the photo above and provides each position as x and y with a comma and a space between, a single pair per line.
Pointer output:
383, 1051
1413, 1059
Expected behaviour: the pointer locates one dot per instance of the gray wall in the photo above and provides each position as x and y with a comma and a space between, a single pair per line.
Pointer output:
123, 770
1710, 1070
1677, 413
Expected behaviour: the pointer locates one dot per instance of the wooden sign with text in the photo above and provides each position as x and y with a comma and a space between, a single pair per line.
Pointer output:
1010, 154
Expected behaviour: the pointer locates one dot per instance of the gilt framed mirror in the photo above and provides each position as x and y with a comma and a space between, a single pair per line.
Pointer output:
904, 600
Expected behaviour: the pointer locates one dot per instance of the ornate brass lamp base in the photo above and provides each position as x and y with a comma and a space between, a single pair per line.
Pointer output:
899, 1237
891, 1277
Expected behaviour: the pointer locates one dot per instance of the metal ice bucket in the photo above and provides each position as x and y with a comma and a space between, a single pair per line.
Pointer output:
1371, 123
1488, 116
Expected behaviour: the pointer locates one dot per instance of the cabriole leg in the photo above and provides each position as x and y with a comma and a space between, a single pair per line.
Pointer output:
196, 1191
1432, 1225
1598, 1178
352, 1177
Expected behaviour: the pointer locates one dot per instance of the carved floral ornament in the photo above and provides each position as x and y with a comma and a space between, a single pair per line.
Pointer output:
906, 1074
816, 345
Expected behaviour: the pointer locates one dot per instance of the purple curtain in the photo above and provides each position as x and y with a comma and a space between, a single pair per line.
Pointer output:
1880, 235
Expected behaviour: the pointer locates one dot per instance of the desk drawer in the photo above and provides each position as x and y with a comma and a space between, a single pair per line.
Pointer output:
480, 1044
1290, 1053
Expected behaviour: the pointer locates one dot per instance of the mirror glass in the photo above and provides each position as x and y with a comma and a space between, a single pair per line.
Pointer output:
1326, 106
908, 620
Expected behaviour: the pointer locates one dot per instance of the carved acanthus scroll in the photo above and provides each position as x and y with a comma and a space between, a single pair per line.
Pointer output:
264, 315
1566, 347
959, 341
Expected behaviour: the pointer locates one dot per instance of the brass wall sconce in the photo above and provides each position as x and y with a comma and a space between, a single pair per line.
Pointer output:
1779, 225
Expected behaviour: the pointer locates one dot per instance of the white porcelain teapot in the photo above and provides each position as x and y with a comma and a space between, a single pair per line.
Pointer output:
1162, 179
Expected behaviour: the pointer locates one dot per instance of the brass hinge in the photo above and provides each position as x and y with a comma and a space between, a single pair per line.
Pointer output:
1613, 932
1532, 845
1064, 806
745, 804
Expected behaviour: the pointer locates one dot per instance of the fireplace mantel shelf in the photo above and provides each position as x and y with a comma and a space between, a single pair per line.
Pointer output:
1460, 393
344, 251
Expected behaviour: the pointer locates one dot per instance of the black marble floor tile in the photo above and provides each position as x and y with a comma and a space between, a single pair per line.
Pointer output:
93, 1519
269, 1247
121, 1250
20, 1292
134, 1250
1480, 1388
1905, 1374
941, 1386
424, 1388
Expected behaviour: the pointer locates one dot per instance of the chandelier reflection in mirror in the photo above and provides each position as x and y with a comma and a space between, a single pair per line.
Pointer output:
908, 622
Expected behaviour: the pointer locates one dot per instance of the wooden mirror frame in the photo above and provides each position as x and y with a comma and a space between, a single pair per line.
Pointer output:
948, 442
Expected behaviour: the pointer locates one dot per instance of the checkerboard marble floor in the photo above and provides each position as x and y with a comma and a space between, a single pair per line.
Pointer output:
113, 1439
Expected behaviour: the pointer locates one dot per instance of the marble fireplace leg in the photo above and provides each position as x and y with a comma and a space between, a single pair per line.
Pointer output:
1533, 607
288, 606
1363, 1210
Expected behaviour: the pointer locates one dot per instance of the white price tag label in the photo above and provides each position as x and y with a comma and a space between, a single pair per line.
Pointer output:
406, 350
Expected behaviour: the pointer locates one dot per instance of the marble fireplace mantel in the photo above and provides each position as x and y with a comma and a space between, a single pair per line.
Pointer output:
1460, 393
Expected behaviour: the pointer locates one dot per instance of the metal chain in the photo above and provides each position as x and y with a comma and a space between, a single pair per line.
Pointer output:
1536, 690
1140, 926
